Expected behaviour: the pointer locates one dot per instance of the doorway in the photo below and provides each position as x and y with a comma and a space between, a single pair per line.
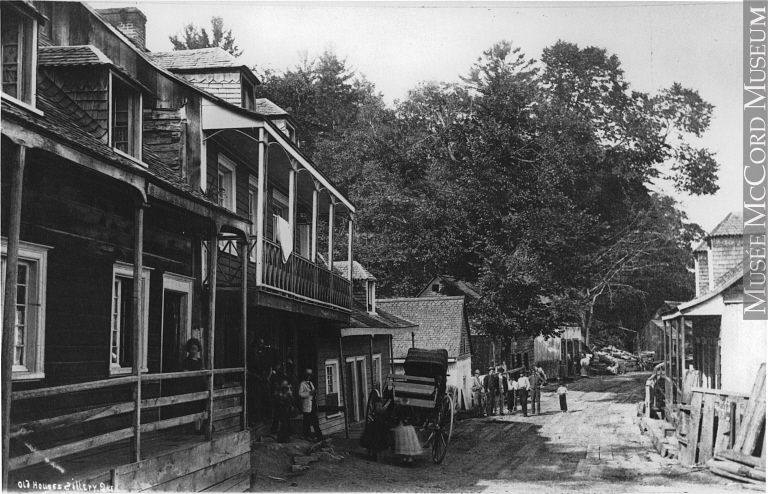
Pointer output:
177, 321
357, 386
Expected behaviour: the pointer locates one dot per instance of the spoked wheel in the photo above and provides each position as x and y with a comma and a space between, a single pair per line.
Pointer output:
441, 436
370, 410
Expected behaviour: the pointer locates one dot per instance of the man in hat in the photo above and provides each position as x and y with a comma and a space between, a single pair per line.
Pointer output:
490, 385
523, 386
477, 393
502, 388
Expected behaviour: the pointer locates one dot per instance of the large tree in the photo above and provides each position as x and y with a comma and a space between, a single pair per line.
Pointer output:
193, 37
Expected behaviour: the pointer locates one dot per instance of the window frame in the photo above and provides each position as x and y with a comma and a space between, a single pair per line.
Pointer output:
125, 270
33, 253
27, 83
370, 296
136, 119
279, 201
333, 363
177, 283
247, 95
230, 200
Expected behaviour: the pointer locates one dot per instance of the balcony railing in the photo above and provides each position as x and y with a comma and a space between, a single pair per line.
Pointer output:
296, 278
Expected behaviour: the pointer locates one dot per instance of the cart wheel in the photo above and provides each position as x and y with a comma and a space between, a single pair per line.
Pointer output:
443, 430
370, 408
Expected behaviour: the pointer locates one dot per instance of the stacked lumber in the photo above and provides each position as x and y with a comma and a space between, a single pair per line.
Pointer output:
745, 461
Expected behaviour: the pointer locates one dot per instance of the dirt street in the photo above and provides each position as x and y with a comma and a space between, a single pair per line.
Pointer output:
596, 447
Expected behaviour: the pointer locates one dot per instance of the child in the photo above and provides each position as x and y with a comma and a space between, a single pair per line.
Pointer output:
562, 390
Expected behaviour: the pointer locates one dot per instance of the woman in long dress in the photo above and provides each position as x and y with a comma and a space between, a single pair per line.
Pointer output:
406, 442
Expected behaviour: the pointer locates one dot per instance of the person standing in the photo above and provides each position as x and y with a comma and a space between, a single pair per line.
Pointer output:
535, 392
562, 391
502, 389
308, 393
523, 385
477, 393
284, 410
513, 388
489, 385
194, 362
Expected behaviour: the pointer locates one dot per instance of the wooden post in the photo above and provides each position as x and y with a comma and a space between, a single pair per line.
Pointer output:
315, 204
213, 252
413, 339
261, 206
343, 391
9, 301
138, 325
391, 355
370, 354
351, 227
292, 225
682, 351
331, 212
244, 324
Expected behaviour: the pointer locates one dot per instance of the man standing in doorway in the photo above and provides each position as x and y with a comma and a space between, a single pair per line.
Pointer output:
307, 393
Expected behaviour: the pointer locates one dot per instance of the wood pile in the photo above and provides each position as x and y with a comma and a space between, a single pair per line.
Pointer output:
744, 460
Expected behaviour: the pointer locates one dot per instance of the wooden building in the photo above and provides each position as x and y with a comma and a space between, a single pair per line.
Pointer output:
443, 324
365, 348
726, 349
142, 207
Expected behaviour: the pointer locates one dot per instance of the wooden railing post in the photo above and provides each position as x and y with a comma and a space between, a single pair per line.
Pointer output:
213, 253
9, 301
244, 325
261, 206
331, 213
138, 325
342, 366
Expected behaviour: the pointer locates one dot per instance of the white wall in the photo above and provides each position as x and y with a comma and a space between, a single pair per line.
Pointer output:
742, 349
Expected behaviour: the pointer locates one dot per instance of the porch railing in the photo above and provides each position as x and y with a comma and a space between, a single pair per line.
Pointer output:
298, 277
32, 435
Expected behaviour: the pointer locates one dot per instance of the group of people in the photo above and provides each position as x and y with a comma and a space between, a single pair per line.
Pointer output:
284, 406
500, 389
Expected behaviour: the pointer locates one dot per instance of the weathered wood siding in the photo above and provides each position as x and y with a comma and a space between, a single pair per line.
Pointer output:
726, 253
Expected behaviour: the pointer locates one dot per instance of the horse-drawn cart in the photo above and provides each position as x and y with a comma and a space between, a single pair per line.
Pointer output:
417, 398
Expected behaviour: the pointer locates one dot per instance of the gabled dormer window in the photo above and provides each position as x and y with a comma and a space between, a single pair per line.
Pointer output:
125, 117
370, 295
19, 52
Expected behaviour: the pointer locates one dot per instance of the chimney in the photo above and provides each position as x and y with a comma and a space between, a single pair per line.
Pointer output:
130, 21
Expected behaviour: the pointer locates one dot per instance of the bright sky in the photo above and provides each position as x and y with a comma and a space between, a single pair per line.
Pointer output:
398, 45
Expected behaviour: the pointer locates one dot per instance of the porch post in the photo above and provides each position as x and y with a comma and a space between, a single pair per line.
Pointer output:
244, 323
391, 355
682, 351
664, 344
331, 212
370, 354
342, 391
351, 228
212, 263
139, 329
9, 301
292, 200
315, 202
261, 206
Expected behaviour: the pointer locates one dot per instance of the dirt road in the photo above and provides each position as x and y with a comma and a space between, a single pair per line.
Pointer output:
596, 447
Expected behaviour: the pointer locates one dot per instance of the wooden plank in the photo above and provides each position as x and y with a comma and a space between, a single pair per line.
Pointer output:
739, 457
67, 449
209, 476
734, 476
237, 390
173, 375
689, 458
403, 377
719, 392
172, 400
706, 439
72, 418
229, 483
755, 417
155, 471
72, 388
227, 412
417, 389
168, 423
722, 436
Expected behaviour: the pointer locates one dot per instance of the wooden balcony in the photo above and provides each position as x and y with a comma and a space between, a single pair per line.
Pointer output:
298, 278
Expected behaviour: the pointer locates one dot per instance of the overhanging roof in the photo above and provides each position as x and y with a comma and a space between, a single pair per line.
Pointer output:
711, 303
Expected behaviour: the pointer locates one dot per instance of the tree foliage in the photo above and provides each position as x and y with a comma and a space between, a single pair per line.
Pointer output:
529, 178
193, 37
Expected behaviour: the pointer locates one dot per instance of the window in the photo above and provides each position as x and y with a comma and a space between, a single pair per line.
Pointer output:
377, 372
19, 52
247, 95
371, 295
332, 384
125, 118
29, 330
226, 183
122, 327
436, 288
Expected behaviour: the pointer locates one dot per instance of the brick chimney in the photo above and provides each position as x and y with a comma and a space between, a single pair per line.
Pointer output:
130, 21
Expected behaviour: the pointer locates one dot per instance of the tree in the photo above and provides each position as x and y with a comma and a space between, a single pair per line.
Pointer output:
193, 38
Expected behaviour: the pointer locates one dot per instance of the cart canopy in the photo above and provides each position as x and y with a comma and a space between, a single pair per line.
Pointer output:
426, 363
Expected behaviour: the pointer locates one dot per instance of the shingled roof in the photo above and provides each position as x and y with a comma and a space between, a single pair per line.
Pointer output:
381, 319
440, 321
453, 286
71, 55
731, 225
268, 108
358, 271
201, 58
